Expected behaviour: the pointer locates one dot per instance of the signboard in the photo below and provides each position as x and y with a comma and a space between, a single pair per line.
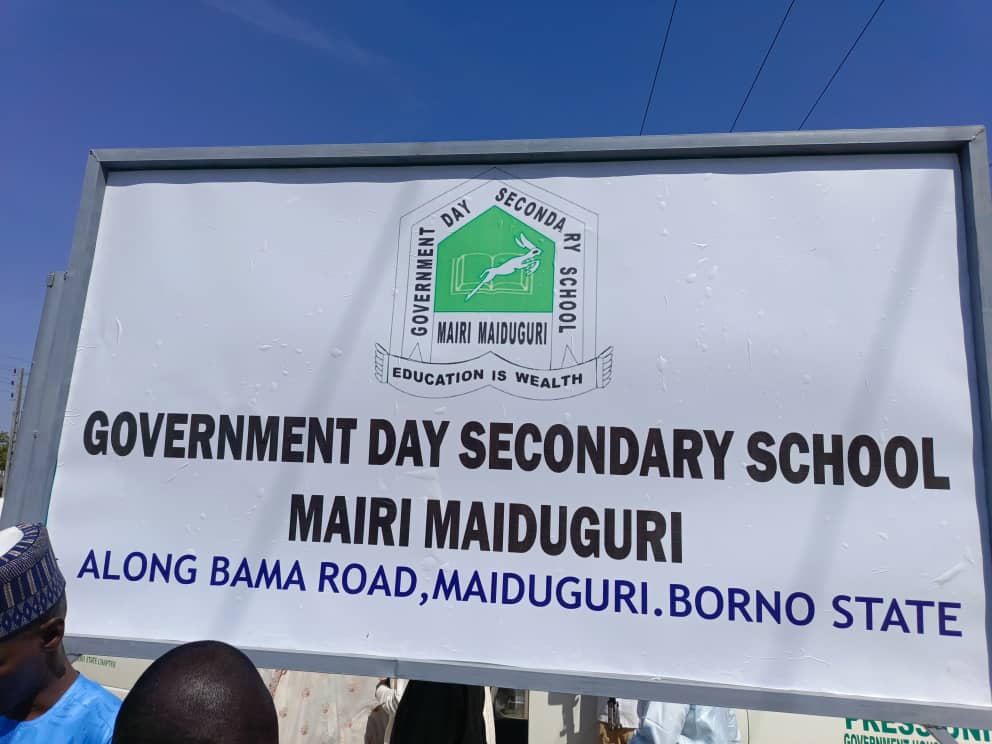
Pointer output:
703, 429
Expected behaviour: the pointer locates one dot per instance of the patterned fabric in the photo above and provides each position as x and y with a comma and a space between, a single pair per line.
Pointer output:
85, 714
30, 580
322, 708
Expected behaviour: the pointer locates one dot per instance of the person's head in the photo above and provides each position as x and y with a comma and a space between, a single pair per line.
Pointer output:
200, 693
32, 617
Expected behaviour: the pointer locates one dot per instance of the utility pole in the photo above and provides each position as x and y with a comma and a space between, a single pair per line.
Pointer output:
15, 420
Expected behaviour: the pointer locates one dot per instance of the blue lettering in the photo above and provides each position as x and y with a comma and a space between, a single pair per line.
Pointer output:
127, 566
574, 600
699, 602
738, 600
625, 591
507, 598
328, 574
919, 604
869, 603
945, 617
547, 592
106, 569
810, 608
774, 610
243, 574
220, 566
267, 576
295, 578
448, 588
89, 566
678, 595
190, 576
164, 569
402, 571
894, 617
352, 569
474, 588
848, 617
380, 583
598, 606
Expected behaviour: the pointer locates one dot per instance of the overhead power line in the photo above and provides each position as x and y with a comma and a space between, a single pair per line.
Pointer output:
762, 65
657, 69
851, 49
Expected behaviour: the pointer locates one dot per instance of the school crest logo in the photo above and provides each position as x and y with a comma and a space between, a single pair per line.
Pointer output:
496, 287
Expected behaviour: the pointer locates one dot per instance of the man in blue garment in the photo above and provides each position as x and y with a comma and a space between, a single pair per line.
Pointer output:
43, 700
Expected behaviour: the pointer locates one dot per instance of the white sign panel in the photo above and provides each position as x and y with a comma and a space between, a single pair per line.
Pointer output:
709, 421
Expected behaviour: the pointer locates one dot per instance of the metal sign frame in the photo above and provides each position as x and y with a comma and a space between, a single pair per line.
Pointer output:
33, 471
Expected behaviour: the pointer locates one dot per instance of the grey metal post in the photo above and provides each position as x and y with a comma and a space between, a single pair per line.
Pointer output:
941, 734
15, 417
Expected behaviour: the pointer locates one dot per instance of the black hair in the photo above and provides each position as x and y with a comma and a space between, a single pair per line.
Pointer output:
199, 693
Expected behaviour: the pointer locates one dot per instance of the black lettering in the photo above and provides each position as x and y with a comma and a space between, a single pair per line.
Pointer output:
381, 452
404, 523
912, 462
201, 430
676, 535
409, 447
442, 526
320, 439
173, 434
687, 447
654, 454
755, 444
499, 442
592, 450
232, 437
932, 481
650, 531
149, 433
834, 458
338, 522
521, 543
95, 440
262, 440
614, 551
584, 541
719, 449
305, 518
556, 463
475, 527
790, 441
381, 517
345, 426
869, 477
125, 424
475, 449
547, 544
434, 439
618, 464
525, 461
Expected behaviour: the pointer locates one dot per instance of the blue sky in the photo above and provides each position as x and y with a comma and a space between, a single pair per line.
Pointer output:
82, 75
